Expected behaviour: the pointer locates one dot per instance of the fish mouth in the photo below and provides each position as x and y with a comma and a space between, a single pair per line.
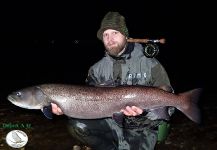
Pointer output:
22, 104
14, 101
10, 98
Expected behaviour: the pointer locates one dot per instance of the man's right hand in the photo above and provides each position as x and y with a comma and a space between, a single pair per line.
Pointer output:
56, 110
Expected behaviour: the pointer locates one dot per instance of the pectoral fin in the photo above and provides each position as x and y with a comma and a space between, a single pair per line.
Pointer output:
47, 111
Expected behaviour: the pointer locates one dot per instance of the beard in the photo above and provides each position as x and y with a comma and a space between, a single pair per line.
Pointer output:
115, 48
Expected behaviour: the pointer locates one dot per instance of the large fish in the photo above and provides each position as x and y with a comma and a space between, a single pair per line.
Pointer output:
87, 102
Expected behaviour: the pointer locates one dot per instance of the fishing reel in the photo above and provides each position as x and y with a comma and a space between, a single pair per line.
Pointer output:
151, 49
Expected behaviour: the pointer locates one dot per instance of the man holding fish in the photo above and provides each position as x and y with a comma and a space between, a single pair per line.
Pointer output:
124, 64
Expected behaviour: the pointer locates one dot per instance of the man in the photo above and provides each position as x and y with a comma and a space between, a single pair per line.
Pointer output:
124, 64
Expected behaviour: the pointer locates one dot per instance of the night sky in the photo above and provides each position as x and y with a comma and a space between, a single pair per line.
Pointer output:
57, 43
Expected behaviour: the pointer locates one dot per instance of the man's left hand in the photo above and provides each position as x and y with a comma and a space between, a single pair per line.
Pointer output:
132, 111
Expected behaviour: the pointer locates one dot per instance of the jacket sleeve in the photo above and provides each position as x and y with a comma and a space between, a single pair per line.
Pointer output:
160, 78
91, 78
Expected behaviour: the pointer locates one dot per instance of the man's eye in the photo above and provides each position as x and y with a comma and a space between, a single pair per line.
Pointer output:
105, 35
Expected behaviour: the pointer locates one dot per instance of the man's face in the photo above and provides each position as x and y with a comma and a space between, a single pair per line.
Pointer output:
114, 41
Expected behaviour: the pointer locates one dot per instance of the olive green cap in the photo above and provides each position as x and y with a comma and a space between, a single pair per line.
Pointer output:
115, 21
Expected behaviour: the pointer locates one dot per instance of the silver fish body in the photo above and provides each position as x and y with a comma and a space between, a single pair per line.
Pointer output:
87, 102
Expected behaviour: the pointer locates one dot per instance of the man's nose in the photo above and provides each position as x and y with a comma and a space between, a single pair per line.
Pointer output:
110, 38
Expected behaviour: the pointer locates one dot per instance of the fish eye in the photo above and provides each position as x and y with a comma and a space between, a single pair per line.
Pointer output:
18, 94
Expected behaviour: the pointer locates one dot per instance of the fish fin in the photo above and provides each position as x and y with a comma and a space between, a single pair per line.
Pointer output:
191, 109
118, 117
158, 113
47, 111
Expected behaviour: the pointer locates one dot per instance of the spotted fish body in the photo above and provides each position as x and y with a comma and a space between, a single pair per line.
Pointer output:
87, 102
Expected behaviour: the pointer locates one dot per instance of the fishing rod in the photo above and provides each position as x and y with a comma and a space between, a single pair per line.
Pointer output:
151, 48
162, 41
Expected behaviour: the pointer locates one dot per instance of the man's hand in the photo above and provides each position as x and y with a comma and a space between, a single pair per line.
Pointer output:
132, 111
56, 110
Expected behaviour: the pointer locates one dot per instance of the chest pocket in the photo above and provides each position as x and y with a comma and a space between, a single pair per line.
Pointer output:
136, 74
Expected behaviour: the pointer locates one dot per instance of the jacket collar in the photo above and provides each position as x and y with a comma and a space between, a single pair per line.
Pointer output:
126, 54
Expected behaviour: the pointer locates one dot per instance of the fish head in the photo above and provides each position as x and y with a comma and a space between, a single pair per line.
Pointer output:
29, 98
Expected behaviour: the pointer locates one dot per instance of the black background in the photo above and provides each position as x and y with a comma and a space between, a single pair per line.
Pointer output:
55, 42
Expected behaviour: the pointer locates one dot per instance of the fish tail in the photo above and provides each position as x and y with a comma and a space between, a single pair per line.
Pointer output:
190, 107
